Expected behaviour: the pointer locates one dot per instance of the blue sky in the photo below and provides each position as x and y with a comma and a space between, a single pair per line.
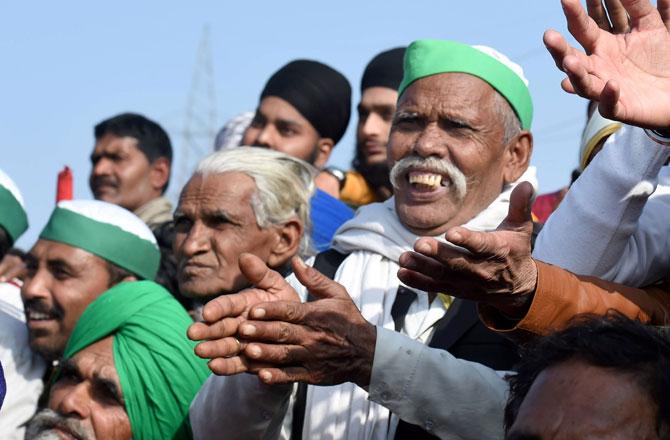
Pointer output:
68, 65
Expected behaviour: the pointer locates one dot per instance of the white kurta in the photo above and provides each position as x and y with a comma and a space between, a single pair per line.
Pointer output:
23, 368
614, 223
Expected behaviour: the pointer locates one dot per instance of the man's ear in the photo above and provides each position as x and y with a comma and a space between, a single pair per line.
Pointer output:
129, 278
287, 244
160, 173
516, 156
323, 149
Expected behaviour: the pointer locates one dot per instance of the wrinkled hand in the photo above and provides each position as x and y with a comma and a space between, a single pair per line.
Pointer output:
323, 342
223, 315
12, 266
496, 267
629, 73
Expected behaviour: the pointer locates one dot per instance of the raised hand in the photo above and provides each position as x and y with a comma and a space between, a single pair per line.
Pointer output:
629, 73
223, 315
324, 342
495, 267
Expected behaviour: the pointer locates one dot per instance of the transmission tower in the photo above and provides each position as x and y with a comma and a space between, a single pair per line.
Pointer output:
200, 121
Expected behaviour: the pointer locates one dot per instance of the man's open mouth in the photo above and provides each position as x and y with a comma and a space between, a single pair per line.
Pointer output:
425, 180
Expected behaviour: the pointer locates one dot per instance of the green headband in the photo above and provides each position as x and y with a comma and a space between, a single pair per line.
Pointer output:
107, 241
12, 215
430, 57
158, 370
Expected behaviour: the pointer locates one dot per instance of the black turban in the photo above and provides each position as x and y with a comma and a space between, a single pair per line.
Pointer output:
320, 93
385, 70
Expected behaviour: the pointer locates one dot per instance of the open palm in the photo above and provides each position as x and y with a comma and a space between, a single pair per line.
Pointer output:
629, 73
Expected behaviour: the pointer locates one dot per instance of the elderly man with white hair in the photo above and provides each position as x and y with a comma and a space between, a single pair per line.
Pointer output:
418, 364
244, 199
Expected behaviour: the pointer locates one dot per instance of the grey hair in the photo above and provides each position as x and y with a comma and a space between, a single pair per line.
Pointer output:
284, 184
510, 120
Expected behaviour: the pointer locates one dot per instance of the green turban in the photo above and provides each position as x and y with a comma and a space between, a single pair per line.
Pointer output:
159, 373
431, 57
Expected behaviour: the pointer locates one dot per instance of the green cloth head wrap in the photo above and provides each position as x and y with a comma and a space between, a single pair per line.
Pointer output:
13, 217
430, 57
108, 231
159, 373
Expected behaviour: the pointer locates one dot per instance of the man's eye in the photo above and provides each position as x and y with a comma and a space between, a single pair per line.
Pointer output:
182, 224
363, 114
61, 274
287, 131
406, 121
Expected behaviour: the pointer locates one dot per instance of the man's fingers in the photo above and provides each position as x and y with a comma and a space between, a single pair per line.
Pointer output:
282, 354
663, 7
219, 348
419, 281
277, 376
580, 25
597, 13
316, 283
222, 328
584, 84
424, 265
566, 85
481, 244
259, 274
609, 105
225, 306
519, 205
227, 367
273, 331
642, 14
618, 17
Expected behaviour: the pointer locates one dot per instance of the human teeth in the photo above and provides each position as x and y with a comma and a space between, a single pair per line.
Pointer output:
37, 316
427, 179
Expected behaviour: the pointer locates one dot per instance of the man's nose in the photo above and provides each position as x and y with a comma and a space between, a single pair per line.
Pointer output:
36, 286
373, 125
76, 402
431, 142
195, 241
103, 167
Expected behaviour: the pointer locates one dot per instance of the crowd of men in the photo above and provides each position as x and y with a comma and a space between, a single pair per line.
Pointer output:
420, 294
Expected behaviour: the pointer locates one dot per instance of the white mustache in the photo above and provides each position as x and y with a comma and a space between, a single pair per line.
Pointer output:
40, 426
457, 180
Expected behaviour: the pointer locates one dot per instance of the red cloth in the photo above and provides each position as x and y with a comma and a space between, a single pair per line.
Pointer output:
545, 204
64, 185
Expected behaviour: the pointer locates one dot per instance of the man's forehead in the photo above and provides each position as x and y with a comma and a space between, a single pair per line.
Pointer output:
96, 360
456, 89
48, 249
278, 109
229, 191
111, 143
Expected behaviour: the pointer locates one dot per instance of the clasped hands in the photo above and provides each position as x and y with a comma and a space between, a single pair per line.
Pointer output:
267, 331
